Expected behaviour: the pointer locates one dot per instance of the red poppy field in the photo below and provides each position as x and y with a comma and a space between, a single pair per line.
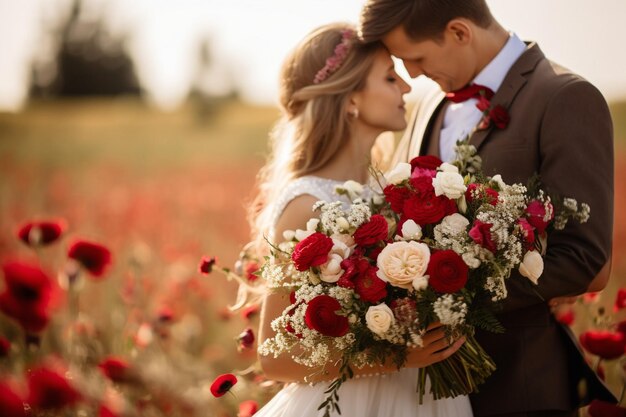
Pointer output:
111, 314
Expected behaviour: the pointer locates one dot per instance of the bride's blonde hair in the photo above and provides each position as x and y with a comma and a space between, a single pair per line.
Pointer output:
314, 123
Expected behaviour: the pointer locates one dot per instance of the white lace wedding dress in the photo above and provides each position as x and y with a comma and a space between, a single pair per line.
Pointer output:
390, 395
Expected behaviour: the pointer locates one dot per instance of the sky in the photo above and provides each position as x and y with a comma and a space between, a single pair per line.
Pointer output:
250, 38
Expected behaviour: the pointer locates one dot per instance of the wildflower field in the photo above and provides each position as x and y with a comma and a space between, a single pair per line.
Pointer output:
148, 333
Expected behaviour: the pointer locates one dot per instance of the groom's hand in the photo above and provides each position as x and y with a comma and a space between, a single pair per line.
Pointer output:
436, 348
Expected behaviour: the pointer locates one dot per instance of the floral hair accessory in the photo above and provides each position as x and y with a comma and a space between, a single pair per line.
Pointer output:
339, 55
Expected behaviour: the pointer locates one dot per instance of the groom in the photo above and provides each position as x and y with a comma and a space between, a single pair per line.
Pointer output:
541, 119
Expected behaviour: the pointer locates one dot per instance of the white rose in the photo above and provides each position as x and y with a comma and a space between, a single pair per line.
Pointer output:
420, 283
288, 235
449, 183
446, 167
411, 230
331, 270
311, 225
532, 266
455, 223
303, 234
353, 187
401, 172
379, 318
399, 263
346, 239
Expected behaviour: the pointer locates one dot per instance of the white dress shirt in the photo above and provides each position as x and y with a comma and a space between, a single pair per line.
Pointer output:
461, 118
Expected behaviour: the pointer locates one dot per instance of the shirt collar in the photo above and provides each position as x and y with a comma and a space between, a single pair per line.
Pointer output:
493, 74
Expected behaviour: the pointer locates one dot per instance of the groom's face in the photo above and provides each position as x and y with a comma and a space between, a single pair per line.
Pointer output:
443, 60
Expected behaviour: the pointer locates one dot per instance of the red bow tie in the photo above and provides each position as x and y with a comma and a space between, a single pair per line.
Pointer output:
470, 91
498, 114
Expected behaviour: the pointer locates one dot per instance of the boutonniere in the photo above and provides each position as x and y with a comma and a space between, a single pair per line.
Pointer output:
496, 114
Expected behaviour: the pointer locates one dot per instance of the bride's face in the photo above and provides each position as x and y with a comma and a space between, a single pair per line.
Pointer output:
380, 103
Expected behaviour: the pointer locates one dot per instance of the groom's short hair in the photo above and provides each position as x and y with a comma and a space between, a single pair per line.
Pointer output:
421, 19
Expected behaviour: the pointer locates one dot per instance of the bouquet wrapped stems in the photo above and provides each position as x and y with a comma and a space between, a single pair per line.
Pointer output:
460, 374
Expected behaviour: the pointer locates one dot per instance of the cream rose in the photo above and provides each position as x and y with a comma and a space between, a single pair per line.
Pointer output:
454, 224
401, 172
450, 184
331, 271
420, 283
379, 318
532, 266
400, 263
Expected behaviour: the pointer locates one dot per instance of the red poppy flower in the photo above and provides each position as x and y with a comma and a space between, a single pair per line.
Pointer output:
248, 408
223, 384
604, 343
620, 300
95, 258
28, 295
11, 403
372, 232
590, 297
448, 272
312, 251
40, 233
165, 314
246, 339
115, 368
49, 390
321, 315
206, 264
599, 408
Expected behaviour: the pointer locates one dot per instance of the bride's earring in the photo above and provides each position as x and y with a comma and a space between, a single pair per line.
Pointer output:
355, 113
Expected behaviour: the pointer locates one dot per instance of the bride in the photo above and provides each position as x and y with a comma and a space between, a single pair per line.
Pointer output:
337, 96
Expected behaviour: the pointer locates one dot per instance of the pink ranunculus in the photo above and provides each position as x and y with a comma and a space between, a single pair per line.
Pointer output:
481, 234
539, 215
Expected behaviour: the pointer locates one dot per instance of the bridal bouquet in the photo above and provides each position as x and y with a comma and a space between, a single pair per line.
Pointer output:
435, 245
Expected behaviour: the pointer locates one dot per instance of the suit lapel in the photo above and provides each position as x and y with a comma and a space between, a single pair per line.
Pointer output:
513, 82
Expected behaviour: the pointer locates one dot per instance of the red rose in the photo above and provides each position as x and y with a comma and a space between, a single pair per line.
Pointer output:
41, 232
49, 390
116, 369
370, 288
94, 257
500, 116
528, 231
372, 232
566, 317
620, 300
11, 403
425, 165
206, 264
604, 343
424, 205
248, 408
536, 212
28, 295
222, 384
321, 315
599, 408
246, 339
396, 196
312, 251
481, 234
447, 270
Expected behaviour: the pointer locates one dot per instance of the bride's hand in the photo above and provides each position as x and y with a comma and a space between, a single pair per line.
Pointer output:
436, 347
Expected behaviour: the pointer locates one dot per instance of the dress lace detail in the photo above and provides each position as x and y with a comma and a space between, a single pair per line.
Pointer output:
391, 395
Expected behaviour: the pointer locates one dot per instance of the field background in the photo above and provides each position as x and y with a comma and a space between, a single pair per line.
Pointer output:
162, 190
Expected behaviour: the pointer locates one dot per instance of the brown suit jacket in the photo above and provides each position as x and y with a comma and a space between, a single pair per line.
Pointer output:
560, 128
